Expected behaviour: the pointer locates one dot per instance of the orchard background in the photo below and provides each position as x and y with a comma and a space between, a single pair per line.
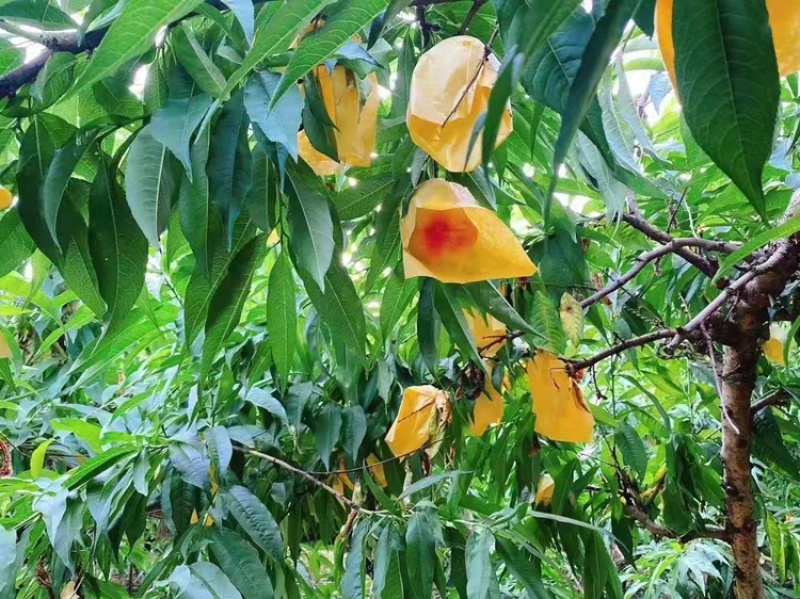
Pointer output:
399, 299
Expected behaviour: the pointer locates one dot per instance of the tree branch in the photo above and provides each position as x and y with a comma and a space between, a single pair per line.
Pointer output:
673, 246
739, 285
664, 532
476, 7
778, 399
636, 220
574, 366
303, 474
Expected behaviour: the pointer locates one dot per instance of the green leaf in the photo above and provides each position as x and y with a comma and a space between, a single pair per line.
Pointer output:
727, 77
769, 446
361, 200
245, 14
545, 319
420, 555
131, 34
256, 521
341, 308
776, 546
174, 124
348, 20
150, 184
632, 448
118, 248
583, 91
220, 448
480, 572
385, 561
427, 325
203, 581
507, 82
535, 23
326, 432
198, 64
15, 244
241, 564
230, 163
396, 298
262, 199
37, 13
38, 457
310, 223
387, 233
88, 432
77, 267
353, 579
97, 465
489, 300
452, 315
201, 288
522, 569
201, 222
354, 424
596, 567
227, 303
551, 71
430, 481
280, 121
57, 179
282, 316
275, 33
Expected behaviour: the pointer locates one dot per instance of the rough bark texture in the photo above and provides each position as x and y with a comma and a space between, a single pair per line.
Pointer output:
738, 379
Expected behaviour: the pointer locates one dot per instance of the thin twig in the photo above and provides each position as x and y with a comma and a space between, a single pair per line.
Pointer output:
574, 366
643, 260
487, 50
476, 7
303, 474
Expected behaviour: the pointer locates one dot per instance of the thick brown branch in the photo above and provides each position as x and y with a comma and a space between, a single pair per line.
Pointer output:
667, 533
760, 293
777, 399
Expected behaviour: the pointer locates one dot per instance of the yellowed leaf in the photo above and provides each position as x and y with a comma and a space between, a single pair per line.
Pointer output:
572, 317
376, 470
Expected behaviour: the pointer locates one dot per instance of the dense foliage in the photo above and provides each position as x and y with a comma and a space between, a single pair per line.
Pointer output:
217, 292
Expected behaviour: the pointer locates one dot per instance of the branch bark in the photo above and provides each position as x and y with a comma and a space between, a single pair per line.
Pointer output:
576, 365
673, 247
664, 532
738, 382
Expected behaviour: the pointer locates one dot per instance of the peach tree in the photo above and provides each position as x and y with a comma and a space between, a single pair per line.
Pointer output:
399, 298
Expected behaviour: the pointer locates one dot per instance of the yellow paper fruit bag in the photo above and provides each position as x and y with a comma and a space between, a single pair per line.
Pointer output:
321, 164
423, 412
545, 489
448, 236
561, 413
355, 124
784, 19
376, 470
488, 409
6, 199
446, 99
773, 347
489, 333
